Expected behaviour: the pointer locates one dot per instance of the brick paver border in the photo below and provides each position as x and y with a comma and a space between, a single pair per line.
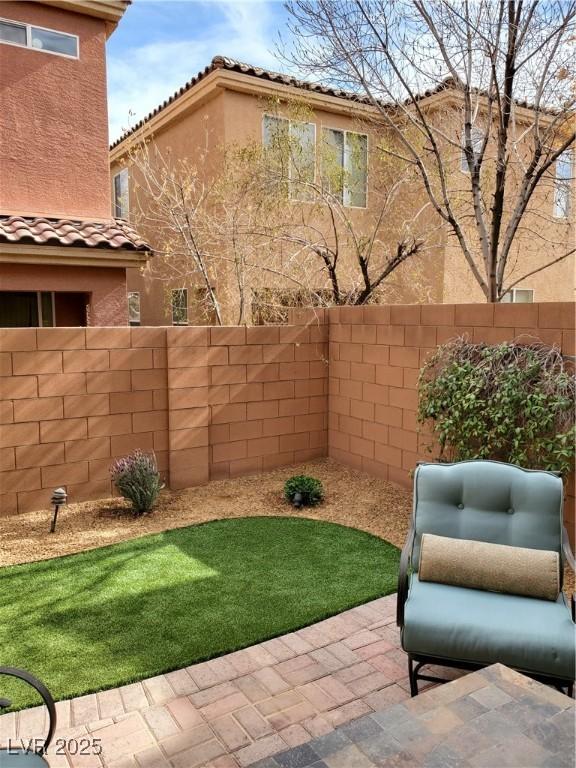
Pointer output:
237, 709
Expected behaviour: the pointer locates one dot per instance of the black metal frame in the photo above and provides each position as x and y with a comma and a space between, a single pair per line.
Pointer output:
39, 686
417, 661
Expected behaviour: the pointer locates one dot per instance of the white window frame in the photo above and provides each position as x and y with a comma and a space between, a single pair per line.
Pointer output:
29, 46
512, 296
185, 291
345, 155
564, 184
124, 203
130, 321
290, 165
39, 302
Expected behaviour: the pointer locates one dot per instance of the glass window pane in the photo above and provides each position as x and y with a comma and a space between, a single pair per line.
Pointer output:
333, 162
121, 203
18, 309
274, 130
523, 296
180, 306
562, 199
134, 308
12, 33
303, 151
564, 166
302, 160
56, 42
477, 137
47, 309
562, 185
356, 170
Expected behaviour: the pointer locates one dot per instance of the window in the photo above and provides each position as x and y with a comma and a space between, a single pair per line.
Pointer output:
26, 309
292, 148
40, 38
562, 185
345, 166
134, 308
477, 136
519, 296
180, 306
302, 159
121, 201
13, 33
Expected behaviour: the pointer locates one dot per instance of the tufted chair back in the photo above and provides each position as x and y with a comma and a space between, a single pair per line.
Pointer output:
488, 501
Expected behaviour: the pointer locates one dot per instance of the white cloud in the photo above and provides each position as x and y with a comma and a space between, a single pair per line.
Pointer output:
143, 76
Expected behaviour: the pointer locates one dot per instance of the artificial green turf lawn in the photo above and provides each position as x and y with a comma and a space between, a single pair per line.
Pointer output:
128, 611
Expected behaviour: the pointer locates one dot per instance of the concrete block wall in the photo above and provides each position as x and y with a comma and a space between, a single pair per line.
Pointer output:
375, 357
73, 399
210, 402
220, 402
243, 400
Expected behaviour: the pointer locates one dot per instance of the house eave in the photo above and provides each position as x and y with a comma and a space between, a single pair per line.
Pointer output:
221, 80
110, 11
48, 255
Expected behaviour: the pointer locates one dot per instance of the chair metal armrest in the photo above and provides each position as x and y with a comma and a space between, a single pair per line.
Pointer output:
21, 674
404, 576
569, 558
567, 549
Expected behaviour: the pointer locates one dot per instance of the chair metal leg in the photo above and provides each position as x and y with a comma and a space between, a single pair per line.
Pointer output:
412, 677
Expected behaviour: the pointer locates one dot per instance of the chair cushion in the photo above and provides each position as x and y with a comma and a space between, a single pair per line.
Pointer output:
20, 758
488, 501
493, 567
459, 624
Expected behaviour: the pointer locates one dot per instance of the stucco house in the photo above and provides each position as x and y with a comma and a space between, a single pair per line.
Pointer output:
227, 105
63, 256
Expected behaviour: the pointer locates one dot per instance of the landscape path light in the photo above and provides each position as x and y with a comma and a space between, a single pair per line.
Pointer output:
58, 499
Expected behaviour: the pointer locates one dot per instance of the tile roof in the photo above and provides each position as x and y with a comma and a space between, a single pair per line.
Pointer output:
113, 233
223, 62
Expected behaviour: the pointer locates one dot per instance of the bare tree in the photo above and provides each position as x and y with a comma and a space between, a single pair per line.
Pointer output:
305, 219
281, 224
171, 203
483, 86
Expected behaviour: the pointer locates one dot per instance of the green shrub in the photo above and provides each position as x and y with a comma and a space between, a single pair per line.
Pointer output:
310, 491
510, 402
137, 478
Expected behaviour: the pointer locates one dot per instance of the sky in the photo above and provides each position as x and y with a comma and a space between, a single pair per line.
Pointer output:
161, 44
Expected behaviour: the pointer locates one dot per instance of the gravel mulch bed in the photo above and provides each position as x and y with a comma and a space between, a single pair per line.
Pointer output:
353, 498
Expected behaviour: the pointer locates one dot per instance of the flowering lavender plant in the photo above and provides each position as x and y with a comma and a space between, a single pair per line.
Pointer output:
137, 478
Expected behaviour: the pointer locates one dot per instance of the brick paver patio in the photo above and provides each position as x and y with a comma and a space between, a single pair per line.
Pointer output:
495, 718
332, 695
240, 708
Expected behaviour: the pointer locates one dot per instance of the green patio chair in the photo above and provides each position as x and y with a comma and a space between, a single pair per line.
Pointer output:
456, 626
20, 754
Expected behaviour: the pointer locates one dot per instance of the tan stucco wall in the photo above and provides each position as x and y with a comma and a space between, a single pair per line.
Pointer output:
439, 274
232, 118
53, 120
556, 283
540, 239
183, 140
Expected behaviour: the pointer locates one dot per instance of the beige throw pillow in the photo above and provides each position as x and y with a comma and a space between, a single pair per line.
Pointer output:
491, 567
